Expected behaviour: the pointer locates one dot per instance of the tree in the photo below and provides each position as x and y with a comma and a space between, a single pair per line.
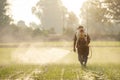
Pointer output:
21, 24
4, 19
72, 20
91, 10
50, 12
112, 10
102, 11
101, 17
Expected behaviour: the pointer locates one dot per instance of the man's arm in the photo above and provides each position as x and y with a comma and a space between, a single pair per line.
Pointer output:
88, 39
74, 45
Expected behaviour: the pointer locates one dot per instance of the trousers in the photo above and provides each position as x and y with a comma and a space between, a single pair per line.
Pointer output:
83, 52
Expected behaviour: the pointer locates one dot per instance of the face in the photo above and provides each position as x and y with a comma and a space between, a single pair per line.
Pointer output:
81, 30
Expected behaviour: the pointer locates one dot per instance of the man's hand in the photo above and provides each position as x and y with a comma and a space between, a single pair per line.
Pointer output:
74, 50
87, 44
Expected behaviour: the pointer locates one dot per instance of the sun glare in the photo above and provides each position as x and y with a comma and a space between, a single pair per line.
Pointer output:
73, 5
21, 10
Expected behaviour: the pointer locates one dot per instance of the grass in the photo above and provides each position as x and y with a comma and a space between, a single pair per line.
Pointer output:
66, 43
62, 71
111, 71
13, 71
5, 55
103, 65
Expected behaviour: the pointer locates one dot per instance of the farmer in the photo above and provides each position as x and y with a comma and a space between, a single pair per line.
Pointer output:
81, 42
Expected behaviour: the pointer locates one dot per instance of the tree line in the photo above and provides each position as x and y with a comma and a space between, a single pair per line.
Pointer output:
100, 17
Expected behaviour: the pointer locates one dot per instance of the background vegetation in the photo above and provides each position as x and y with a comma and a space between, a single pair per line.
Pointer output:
100, 17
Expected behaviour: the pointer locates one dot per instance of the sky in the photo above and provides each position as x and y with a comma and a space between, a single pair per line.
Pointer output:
21, 9
73, 5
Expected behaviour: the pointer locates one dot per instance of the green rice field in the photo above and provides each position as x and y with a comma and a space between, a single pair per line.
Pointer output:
57, 61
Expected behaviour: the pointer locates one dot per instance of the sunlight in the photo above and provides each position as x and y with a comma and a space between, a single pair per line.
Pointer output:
73, 5
21, 10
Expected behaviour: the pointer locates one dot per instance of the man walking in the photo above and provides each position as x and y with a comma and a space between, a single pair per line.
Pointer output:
81, 42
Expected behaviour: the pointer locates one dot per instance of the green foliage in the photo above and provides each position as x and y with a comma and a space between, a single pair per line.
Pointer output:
72, 21
50, 13
44, 10
90, 11
112, 10
111, 71
96, 70
4, 19
54, 72
69, 31
101, 11
36, 32
101, 18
